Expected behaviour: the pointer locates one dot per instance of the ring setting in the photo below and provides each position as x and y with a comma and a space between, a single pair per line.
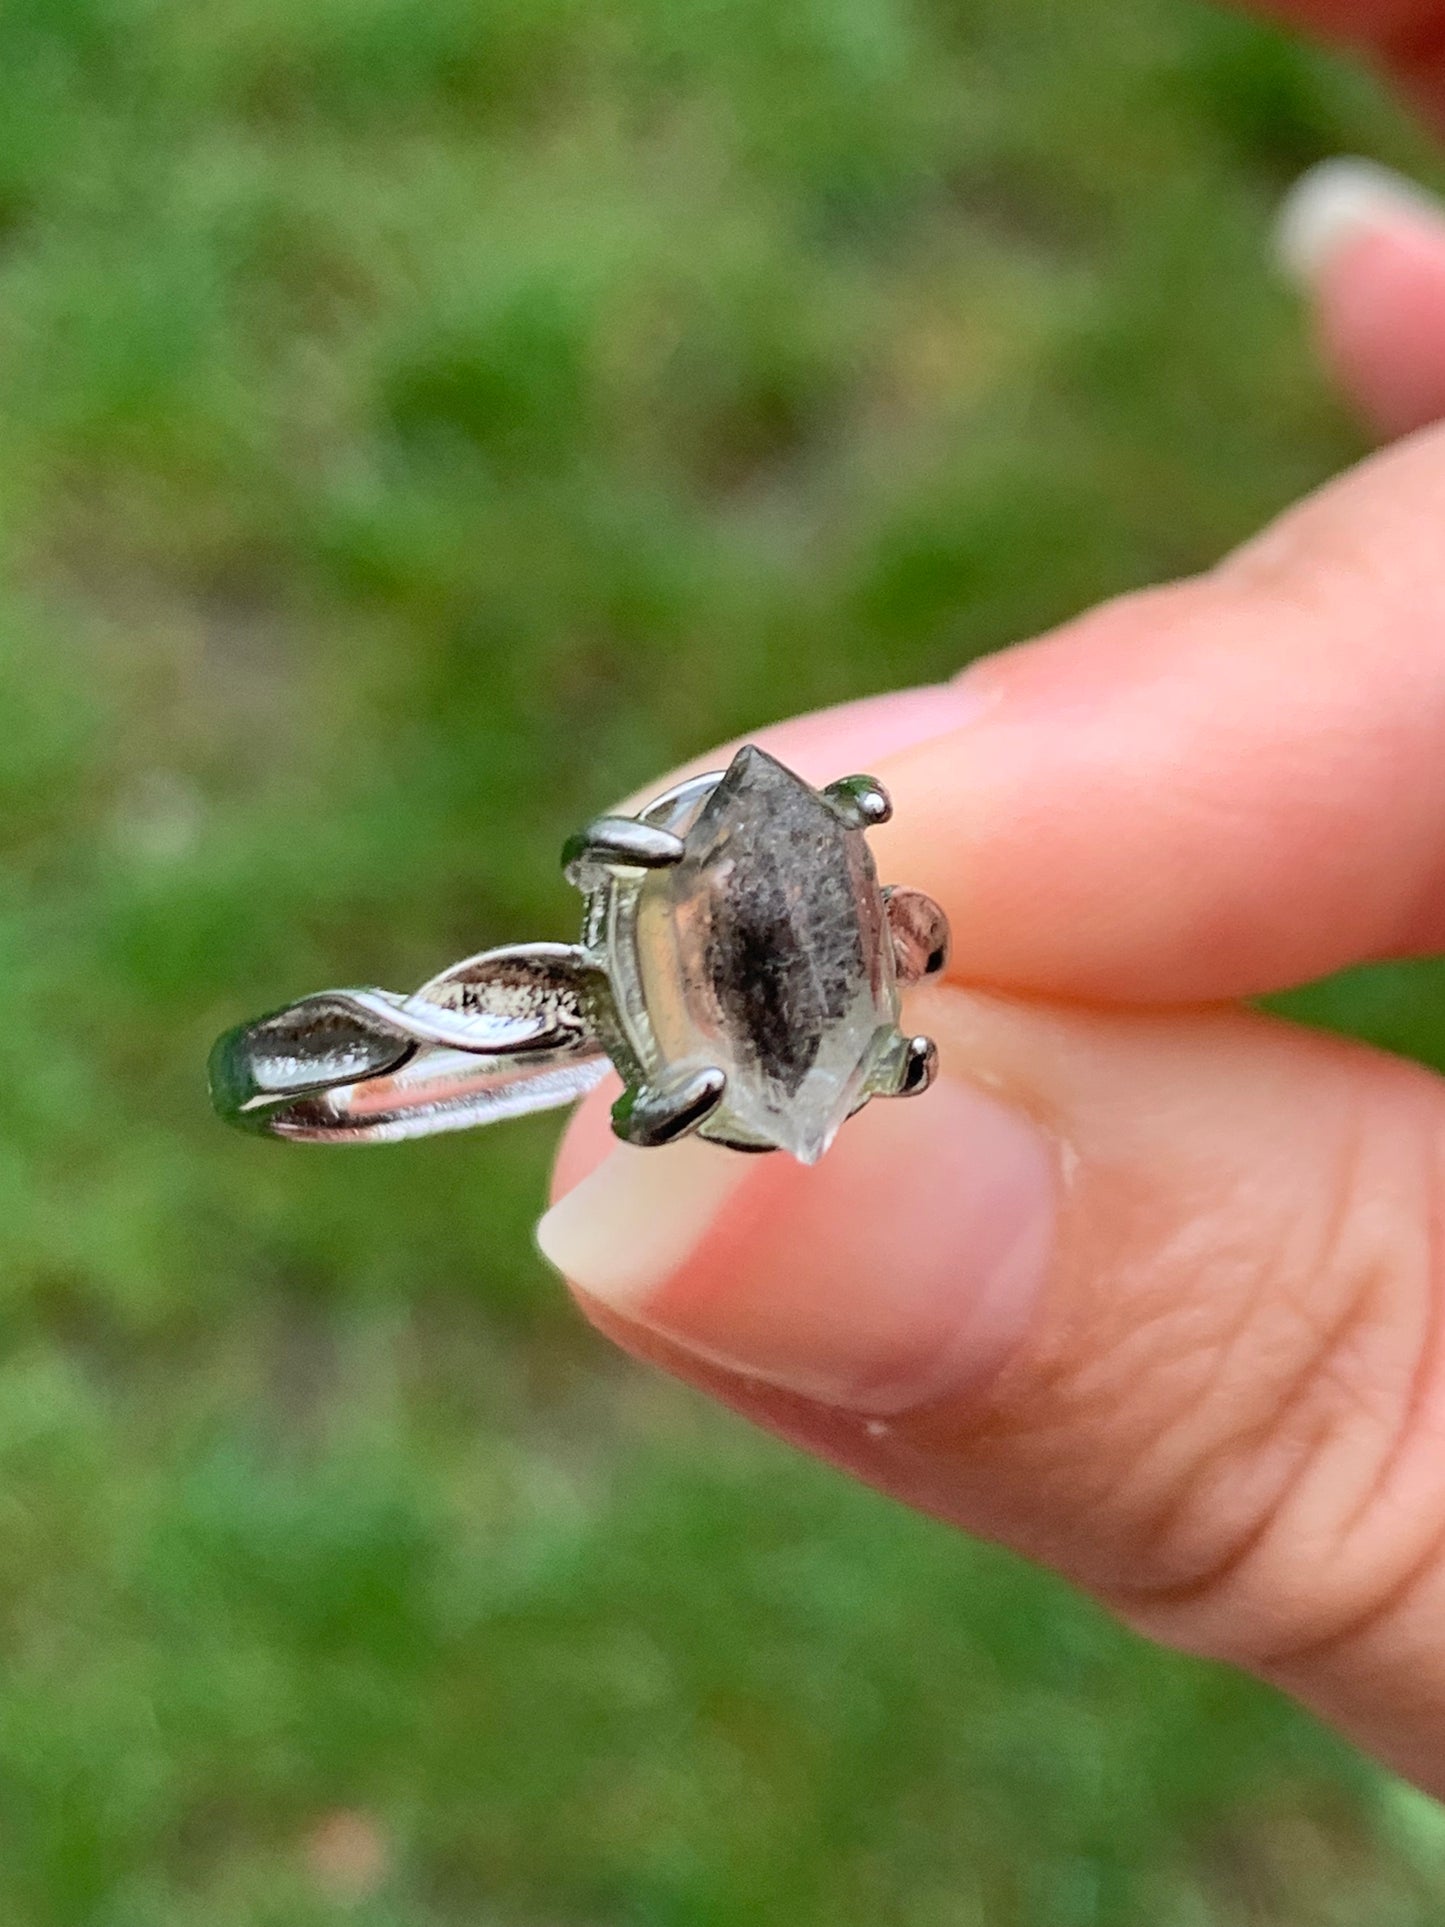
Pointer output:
739, 965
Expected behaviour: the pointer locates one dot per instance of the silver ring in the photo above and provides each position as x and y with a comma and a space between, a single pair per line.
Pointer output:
739, 966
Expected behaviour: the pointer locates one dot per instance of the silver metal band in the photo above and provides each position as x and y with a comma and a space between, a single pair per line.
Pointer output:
500, 1034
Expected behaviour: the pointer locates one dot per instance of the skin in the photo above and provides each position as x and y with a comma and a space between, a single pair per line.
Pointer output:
1219, 1404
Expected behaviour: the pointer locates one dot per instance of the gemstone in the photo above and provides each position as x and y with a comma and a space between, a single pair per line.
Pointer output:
765, 953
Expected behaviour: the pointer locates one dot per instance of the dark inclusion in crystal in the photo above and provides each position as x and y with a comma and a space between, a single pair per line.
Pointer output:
765, 952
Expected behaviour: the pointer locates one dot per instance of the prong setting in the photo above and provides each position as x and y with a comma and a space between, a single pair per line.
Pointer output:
919, 930
861, 801
618, 843
919, 1066
650, 1115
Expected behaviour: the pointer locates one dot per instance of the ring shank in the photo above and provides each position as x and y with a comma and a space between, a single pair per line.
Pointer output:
368, 1067
437, 1090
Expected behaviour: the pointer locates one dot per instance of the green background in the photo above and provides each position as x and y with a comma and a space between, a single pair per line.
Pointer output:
419, 424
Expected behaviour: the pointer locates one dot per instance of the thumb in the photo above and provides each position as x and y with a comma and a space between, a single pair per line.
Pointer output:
1152, 1298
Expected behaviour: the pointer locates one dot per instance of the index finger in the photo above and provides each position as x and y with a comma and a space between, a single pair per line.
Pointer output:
1207, 791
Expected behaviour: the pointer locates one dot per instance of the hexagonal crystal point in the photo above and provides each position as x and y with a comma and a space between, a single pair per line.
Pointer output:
765, 952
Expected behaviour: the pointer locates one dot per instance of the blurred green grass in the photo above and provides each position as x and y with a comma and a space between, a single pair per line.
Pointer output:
417, 426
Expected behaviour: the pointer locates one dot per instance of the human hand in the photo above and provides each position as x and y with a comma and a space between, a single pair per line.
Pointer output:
1150, 1286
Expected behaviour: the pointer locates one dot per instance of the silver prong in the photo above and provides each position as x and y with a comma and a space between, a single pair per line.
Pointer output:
918, 1066
861, 801
920, 934
648, 1116
619, 842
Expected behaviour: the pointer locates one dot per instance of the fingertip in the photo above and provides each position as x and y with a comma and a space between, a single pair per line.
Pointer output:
1368, 248
1338, 200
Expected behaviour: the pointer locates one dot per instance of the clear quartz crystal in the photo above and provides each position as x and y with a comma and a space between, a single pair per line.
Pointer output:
765, 953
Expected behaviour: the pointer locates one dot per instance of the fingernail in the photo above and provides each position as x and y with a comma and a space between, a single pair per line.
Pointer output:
902, 1268
860, 733
1336, 201
631, 1222
855, 735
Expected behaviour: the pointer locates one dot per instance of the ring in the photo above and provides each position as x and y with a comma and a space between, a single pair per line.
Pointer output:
739, 966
